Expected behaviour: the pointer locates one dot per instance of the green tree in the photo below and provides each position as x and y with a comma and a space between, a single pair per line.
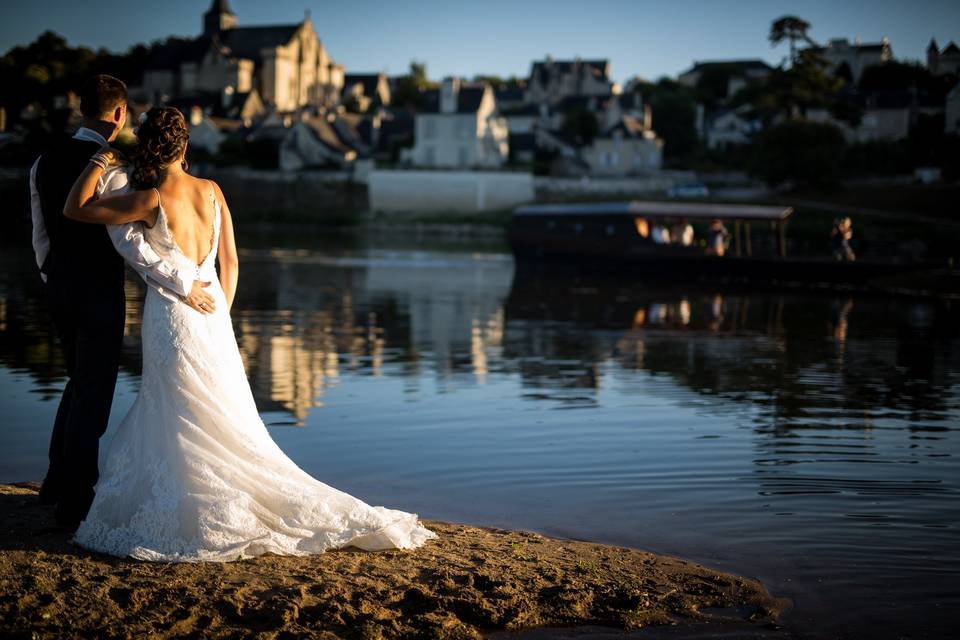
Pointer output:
411, 86
799, 153
790, 93
674, 110
792, 29
580, 125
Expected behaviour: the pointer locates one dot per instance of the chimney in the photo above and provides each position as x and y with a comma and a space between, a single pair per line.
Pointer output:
449, 94
647, 118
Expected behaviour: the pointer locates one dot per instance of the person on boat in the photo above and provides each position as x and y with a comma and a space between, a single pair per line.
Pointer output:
660, 234
683, 233
717, 237
840, 238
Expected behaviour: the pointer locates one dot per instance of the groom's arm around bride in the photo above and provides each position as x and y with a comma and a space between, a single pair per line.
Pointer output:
83, 272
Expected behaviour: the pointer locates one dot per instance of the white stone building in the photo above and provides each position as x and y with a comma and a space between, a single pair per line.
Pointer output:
553, 80
726, 127
856, 57
951, 116
286, 64
629, 147
943, 62
459, 128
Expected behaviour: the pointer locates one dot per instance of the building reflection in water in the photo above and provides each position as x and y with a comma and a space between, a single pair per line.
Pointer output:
305, 319
302, 320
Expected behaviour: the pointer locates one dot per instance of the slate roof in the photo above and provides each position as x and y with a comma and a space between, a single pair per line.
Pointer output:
325, 133
543, 70
952, 48
629, 126
248, 42
739, 65
524, 110
873, 47
242, 42
468, 99
509, 93
523, 142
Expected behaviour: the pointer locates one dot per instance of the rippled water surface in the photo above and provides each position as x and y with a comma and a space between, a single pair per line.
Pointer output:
808, 440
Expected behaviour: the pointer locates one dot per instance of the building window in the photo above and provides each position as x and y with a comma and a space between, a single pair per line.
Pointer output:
462, 156
428, 156
429, 128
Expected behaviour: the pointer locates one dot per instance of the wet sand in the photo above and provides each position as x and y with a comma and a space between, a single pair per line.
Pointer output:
470, 583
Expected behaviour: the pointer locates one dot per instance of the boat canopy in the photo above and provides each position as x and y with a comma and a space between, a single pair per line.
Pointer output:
689, 210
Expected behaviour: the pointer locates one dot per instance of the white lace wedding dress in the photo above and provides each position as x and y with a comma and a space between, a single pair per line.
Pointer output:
192, 473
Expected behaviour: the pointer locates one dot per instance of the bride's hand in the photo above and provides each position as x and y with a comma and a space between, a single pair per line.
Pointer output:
113, 157
199, 299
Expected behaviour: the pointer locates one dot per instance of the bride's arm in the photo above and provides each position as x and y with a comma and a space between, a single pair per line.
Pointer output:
82, 203
227, 253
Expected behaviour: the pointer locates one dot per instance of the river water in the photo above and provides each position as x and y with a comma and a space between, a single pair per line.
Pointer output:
808, 440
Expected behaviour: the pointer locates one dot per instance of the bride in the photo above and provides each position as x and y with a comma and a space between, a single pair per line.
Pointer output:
192, 473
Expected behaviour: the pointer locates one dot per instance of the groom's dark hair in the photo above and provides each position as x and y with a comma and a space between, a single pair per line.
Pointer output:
102, 94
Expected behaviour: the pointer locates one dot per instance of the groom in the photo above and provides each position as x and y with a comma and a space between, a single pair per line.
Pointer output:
82, 267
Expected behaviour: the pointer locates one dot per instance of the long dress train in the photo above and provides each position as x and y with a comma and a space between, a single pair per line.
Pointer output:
192, 473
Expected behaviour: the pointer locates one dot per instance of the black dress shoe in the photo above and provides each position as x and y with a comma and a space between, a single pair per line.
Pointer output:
66, 525
48, 495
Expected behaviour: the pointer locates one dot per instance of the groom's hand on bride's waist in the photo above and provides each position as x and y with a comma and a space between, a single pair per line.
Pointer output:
199, 299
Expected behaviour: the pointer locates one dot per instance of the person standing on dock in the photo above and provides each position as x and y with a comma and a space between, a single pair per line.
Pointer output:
840, 240
717, 236
683, 233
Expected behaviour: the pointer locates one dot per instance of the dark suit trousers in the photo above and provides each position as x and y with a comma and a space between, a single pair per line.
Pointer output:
89, 322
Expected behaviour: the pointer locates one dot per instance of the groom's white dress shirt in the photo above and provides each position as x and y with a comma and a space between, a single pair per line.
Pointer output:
128, 239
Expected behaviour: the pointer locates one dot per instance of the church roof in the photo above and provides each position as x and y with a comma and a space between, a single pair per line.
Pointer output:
248, 42
242, 42
933, 45
952, 48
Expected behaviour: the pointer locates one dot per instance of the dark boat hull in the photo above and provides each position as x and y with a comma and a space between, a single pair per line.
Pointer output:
534, 251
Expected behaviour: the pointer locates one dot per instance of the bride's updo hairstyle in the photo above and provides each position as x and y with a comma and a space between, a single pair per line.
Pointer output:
161, 139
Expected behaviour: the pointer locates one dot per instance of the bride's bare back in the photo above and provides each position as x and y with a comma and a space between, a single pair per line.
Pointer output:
188, 204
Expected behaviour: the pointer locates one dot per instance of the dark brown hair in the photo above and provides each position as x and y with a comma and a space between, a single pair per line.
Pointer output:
102, 94
161, 139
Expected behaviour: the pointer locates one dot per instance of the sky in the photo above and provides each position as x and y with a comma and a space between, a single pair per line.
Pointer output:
649, 38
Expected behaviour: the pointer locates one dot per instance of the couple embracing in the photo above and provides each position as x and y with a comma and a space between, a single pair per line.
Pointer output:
192, 473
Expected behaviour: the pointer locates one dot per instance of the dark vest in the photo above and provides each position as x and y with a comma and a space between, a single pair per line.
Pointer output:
81, 254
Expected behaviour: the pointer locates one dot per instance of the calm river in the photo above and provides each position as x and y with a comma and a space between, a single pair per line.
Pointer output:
812, 441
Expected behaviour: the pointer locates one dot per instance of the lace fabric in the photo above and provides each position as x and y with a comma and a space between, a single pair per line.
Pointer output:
192, 473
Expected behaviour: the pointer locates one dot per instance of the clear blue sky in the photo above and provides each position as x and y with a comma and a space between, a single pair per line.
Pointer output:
456, 37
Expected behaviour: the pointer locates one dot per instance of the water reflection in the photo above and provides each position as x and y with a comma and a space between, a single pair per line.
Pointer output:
806, 439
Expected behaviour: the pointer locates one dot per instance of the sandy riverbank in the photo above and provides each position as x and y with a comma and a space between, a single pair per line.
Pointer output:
471, 581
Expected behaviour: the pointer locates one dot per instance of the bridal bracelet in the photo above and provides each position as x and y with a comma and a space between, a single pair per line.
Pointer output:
100, 160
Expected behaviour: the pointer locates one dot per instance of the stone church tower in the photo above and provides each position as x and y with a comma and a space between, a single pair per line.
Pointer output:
218, 18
